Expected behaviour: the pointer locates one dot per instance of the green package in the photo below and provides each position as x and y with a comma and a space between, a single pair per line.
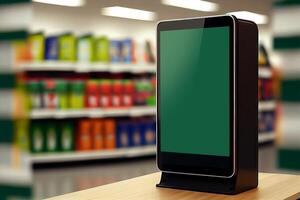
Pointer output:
102, 49
66, 137
37, 46
86, 49
37, 137
67, 47
21, 134
34, 94
51, 138
77, 89
62, 94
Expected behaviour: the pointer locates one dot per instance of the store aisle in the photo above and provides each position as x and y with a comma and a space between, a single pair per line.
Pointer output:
57, 181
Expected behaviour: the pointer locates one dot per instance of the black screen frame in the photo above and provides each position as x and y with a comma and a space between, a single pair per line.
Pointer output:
207, 165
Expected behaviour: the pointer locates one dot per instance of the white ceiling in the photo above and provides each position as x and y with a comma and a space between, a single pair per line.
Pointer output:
169, 12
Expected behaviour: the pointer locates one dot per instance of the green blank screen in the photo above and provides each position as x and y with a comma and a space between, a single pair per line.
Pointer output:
194, 91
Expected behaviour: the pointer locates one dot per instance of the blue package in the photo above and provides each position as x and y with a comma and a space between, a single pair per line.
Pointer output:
115, 51
135, 134
51, 48
126, 53
123, 131
148, 132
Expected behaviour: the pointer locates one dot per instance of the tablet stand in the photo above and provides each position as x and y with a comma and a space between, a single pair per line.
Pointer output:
246, 143
205, 184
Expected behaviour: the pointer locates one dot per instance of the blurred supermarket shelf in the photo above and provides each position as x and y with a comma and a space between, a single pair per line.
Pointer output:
264, 137
93, 112
264, 72
267, 105
15, 176
87, 67
130, 152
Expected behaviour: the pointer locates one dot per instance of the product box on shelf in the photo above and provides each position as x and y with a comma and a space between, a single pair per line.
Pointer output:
102, 49
83, 137
127, 50
67, 47
86, 48
97, 134
115, 51
37, 137
37, 46
51, 48
66, 136
109, 134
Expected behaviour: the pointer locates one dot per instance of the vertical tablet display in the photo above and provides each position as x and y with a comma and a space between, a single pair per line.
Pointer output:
195, 91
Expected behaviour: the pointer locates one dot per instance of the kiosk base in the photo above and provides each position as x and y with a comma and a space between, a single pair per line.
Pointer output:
203, 183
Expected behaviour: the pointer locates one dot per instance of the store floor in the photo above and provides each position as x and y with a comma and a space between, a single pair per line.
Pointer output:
50, 182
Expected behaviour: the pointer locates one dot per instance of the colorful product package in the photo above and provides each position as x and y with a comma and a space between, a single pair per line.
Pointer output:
97, 134
148, 132
117, 89
37, 137
128, 93
51, 48
84, 138
105, 93
92, 97
102, 50
115, 50
67, 47
50, 98
37, 46
127, 51
51, 133
62, 90
77, 91
123, 134
66, 136
86, 49
109, 134
21, 134
34, 89
135, 134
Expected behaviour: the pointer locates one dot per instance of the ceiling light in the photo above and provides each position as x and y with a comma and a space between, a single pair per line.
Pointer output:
193, 4
255, 17
130, 13
71, 3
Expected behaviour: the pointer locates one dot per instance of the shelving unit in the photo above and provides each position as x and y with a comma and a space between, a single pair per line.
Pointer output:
266, 137
267, 105
87, 67
93, 113
130, 152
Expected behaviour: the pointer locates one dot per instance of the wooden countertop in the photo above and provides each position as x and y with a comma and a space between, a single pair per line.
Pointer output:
271, 186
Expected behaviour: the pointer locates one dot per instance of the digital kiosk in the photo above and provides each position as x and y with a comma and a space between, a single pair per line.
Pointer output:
207, 108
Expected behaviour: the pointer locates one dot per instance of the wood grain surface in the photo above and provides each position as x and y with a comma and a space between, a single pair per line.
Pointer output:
271, 186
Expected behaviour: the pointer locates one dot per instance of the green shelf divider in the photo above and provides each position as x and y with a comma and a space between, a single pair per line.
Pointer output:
7, 81
286, 42
290, 90
7, 130
284, 3
15, 192
13, 35
6, 2
289, 158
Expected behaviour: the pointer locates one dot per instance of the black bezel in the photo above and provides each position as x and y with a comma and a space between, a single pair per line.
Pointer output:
190, 163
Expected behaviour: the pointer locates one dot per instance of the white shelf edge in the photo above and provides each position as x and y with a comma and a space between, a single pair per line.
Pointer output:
266, 137
264, 72
87, 67
267, 105
93, 113
11, 176
129, 152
